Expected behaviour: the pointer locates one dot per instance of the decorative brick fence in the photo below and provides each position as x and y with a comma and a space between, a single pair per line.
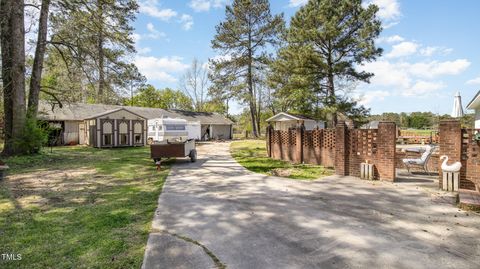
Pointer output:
459, 146
342, 148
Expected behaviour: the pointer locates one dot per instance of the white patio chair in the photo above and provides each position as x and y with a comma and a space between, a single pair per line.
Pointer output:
422, 161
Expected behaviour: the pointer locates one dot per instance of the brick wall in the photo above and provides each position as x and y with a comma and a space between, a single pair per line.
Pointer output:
319, 147
375, 145
458, 145
470, 174
342, 147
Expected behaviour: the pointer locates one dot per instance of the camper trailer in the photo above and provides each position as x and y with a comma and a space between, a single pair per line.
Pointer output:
167, 129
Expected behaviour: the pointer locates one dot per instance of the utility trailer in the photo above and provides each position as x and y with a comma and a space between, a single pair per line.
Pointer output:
173, 149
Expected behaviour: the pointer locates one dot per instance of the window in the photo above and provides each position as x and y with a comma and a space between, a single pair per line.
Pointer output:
152, 128
174, 127
107, 139
138, 138
123, 139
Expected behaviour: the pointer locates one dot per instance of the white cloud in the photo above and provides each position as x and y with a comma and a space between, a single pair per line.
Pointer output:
154, 33
422, 88
160, 69
435, 68
144, 50
200, 5
186, 21
152, 8
388, 9
387, 74
205, 5
474, 81
391, 39
429, 51
372, 96
297, 3
402, 49
414, 79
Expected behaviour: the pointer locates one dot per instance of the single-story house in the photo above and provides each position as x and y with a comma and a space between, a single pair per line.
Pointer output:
475, 105
284, 121
75, 121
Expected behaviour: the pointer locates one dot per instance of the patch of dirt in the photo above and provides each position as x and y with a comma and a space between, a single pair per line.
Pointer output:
281, 172
48, 187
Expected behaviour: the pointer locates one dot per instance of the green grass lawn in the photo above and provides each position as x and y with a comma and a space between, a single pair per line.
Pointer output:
252, 154
79, 207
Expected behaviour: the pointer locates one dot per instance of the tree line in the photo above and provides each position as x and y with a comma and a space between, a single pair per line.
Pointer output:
82, 50
420, 120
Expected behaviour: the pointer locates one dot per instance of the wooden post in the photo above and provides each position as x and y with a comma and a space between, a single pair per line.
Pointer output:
450, 181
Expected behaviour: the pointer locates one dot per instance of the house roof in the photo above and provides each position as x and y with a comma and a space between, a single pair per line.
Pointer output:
113, 111
79, 112
290, 116
475, 103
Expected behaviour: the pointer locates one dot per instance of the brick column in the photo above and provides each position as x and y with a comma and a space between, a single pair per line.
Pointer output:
341, 157
269, 140
386, 147
298, 144
450, 143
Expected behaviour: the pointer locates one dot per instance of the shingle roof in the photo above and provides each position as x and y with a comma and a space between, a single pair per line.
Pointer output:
78, 112
470, 105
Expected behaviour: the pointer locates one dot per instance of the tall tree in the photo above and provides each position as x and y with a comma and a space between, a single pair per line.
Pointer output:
326, 40
12, 40
249, 28
96, 38
194, 84
37, 68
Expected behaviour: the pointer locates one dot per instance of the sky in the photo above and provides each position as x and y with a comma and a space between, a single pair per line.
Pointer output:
431, 49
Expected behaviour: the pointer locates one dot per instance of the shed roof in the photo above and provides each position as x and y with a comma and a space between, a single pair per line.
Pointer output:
79, 111
475, 103
290, 116
113, 111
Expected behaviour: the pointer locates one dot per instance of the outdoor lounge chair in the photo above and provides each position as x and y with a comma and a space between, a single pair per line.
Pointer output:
422, 161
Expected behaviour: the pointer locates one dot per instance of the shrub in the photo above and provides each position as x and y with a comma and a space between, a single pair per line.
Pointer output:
33, 138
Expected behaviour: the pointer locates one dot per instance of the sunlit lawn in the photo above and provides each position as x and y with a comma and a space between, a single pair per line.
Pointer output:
79, 207
252, 154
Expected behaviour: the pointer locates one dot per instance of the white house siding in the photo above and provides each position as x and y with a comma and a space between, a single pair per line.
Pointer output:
477, 118
71, 131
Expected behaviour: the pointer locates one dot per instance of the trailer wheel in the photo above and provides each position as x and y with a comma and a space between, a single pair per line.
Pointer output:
193, 155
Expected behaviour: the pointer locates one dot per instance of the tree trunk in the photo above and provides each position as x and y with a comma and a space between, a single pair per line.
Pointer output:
331, 93
101, 54
13, 71
37, 68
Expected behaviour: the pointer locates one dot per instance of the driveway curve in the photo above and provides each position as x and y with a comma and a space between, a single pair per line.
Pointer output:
241, 219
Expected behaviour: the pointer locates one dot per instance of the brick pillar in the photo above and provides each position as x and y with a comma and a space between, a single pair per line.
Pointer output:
298, 144
269, 140
386, 148
450, 143
341, 157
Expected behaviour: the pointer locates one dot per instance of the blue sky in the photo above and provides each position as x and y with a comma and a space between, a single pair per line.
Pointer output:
431, 49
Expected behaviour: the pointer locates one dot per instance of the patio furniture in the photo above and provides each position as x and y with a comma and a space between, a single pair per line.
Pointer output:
422, 161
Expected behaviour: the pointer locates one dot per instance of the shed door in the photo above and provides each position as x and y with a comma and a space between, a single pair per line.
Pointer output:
81, 133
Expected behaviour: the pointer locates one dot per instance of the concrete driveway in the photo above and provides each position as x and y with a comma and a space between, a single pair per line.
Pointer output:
215, 212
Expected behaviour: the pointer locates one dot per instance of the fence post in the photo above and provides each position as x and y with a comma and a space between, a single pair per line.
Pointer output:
299, 144
450, 143
386, 148
341, 157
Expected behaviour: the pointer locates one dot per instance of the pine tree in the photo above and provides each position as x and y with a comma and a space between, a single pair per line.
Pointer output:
326, 40
248, 30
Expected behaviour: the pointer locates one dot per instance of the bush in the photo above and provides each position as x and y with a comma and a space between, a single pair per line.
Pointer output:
33, 138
